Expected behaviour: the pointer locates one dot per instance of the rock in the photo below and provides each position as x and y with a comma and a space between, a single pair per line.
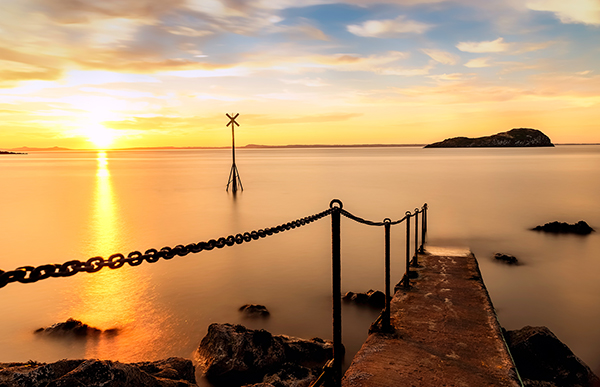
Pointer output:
374, 298
70, 327
510, 259
292, 375
521, 137
581, 228
172, 372
232, 355
543, 360
254, 310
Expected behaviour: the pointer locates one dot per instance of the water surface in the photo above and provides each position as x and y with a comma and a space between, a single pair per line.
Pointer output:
58, 206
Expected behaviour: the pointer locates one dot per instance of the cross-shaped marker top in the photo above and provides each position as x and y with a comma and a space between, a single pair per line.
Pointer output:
232, 122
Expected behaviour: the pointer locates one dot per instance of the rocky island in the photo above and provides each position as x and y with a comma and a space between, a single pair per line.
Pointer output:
4, 152
521, 137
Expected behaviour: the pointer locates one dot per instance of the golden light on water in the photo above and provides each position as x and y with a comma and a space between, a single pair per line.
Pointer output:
112, 299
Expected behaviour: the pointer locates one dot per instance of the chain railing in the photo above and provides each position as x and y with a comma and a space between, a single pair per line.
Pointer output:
332, 371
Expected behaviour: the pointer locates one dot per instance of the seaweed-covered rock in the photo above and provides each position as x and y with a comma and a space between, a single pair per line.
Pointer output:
581, 228
506, 258
543, 360
254, 310
232, 355
172, 372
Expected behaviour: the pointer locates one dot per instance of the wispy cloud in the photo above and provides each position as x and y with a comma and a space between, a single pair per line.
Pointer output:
478, 63
388, 27
307, 119
497, 45
441, 56
572, 11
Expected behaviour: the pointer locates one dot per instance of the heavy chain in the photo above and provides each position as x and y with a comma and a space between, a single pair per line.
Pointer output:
28, 274
371, 223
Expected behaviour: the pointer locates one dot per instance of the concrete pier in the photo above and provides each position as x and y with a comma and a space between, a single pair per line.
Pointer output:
445, 332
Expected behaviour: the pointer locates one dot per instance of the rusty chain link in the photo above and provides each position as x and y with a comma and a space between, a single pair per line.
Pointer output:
28, 274
371, 223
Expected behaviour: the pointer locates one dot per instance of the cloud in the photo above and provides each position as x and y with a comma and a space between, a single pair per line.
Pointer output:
156, 123
478, 62
355, 62
572, 11
497, 45
187, 31
304, 30
388, 27
83, 11
258, 119
450, 77
310, 82
441, 56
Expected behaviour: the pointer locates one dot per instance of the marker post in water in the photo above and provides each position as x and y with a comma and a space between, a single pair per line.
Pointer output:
234, 175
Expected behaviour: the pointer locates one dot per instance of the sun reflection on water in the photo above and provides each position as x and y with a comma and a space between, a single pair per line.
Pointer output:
114, 300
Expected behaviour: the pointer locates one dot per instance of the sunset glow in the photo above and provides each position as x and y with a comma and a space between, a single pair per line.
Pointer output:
154, 73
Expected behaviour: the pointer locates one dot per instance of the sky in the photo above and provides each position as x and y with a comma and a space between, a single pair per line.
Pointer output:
144, 73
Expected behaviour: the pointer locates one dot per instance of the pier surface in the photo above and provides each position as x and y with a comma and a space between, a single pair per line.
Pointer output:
445, 332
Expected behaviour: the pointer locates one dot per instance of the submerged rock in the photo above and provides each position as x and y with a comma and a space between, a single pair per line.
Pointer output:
374, 298
70, 327
581, 228
172, 372
521, 137
543, 360
232, 355
254, 310
510, 259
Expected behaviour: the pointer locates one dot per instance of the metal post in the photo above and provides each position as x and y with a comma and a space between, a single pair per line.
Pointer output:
423, 228
386, 314
336, 269
415, 260
407, 274
233, 167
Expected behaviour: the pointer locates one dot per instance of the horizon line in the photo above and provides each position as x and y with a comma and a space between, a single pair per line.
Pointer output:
248, 146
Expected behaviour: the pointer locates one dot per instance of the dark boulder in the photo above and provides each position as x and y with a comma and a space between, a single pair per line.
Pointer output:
172, 372
581, 228
510, 259
254, 310
521, 137
71, 327
543, 360
374, 298
232, 355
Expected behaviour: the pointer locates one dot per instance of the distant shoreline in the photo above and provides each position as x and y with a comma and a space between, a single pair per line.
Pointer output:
249, 146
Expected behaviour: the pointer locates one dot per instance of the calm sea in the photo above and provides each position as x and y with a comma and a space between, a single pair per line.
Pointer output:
59, 206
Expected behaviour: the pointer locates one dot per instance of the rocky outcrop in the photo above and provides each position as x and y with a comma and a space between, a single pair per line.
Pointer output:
71, 327
581, 228
254, 310
506, 258
172, 372
374, 298
232, 355
522, 137
74, 328
543, 360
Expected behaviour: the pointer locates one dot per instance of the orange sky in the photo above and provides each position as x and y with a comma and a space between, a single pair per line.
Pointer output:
152, 73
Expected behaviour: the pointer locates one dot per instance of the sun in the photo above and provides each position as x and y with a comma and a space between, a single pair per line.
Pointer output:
102, 137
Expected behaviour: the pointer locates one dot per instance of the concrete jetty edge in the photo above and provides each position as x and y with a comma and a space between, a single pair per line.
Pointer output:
445, 331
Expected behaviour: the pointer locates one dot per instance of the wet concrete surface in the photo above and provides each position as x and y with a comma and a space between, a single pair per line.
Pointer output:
445, 332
